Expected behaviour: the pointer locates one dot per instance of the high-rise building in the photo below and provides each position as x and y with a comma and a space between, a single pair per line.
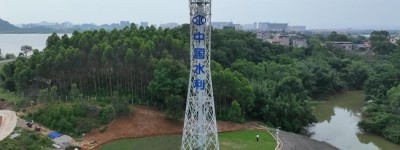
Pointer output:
170, 25
221, 25
264, 26
144, 24
124, 24
296, 28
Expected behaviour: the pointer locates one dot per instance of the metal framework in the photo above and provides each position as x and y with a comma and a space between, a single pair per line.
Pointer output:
200, 129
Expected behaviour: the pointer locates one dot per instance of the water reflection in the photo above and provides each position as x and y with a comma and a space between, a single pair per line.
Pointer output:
337, 124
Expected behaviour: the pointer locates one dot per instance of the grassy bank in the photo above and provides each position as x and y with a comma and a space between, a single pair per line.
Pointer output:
237, 140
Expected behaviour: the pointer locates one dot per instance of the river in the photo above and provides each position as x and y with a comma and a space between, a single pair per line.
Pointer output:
11, 43
337, 124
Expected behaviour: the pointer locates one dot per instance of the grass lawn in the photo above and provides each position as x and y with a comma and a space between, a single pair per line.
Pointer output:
238, 140
246, 140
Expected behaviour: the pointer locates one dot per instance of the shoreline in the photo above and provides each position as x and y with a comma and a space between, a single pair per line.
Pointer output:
292, 141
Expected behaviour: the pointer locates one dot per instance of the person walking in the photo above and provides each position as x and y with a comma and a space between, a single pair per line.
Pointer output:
258, 137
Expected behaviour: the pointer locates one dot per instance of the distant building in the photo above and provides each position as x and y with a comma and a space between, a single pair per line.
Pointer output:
67, 25
394, 39
154, 25
250, 27
124, 24
368, 45
280, 39
359, 47
296, 28
238, 27
298, 43
144, 24
169, 25
343, 45
221, 25
264, 26
264, 35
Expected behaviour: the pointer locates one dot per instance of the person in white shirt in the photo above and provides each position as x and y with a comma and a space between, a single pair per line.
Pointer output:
258, 136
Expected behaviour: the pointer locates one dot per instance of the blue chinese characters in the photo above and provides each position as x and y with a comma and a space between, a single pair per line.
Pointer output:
199, 36
199, 53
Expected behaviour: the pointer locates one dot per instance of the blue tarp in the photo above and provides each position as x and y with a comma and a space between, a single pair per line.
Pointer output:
54, 135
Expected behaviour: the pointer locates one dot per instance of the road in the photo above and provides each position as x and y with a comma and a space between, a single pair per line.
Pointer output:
9, 121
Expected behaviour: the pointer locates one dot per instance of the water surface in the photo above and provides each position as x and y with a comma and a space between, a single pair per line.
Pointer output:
11, 43
337, 124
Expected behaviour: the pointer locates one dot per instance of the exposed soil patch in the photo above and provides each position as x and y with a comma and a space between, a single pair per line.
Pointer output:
148, 122
3, 105
0, 120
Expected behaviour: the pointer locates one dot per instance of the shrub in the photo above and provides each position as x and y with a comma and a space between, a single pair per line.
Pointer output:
234, 113
392, 133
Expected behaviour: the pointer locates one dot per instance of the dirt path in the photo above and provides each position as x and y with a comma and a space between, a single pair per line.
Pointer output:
8, 123
291, 141
22, 124
147, 122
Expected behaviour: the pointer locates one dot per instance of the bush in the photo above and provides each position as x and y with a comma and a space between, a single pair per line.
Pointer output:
376, 123
174, 107
10, 56
234, 113
103, 129
392, 133
107, 114
72, 119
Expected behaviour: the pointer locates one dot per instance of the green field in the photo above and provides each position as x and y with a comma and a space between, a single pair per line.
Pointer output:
239, 140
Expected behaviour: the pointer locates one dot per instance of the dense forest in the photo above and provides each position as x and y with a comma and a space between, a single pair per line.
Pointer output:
252, 80
382, 113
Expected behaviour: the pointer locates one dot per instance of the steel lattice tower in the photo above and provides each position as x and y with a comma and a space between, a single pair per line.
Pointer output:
200, 129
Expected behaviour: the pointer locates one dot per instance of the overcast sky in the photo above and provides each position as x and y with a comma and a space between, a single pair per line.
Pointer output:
312, 13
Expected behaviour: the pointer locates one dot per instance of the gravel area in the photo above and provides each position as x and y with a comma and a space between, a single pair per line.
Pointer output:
293, 141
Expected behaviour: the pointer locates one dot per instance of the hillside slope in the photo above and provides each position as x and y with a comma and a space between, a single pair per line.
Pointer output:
147, 122
6, 26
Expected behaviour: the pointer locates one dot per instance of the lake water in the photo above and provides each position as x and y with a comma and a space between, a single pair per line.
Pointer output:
11, 43
337, 124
